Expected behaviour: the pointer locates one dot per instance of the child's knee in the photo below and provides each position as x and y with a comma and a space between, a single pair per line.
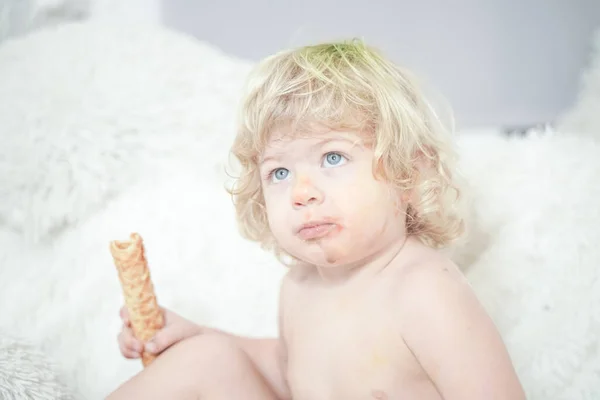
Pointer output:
218, 354
213, 366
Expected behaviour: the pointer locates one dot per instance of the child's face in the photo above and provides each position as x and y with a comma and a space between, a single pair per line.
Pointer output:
323, 203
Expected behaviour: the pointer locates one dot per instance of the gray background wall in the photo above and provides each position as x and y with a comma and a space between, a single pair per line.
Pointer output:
497, 62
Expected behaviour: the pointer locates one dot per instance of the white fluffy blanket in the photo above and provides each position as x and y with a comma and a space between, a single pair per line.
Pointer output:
110, 129
27, 373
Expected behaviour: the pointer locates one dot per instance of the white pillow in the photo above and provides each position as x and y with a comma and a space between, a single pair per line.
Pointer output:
88, 108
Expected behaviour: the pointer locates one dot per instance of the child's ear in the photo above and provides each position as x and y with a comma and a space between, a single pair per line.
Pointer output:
401, 202
405, 197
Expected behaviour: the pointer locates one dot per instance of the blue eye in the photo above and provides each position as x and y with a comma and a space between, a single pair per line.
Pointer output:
280, 174
333, 159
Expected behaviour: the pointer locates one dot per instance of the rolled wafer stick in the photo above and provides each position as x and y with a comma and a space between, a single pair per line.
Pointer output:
145, 315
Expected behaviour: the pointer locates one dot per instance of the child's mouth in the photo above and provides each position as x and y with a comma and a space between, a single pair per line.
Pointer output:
314, 231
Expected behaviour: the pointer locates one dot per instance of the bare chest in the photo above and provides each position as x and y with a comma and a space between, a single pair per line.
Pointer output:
349, 346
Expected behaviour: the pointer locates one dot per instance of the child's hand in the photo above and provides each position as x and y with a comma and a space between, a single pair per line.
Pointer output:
175, 330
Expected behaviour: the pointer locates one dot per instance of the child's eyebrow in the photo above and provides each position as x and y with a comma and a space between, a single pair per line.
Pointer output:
271, 157
356, 142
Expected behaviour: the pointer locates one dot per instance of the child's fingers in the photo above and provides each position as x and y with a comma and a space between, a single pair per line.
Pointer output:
128, 344
124, 314
165, 338
127, 352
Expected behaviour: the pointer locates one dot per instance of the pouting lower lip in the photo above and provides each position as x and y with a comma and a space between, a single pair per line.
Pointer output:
316, 231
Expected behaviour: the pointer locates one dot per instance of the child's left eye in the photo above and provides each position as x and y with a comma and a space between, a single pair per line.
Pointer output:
333, 159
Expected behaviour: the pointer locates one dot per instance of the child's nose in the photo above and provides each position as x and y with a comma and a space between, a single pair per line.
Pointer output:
305, 193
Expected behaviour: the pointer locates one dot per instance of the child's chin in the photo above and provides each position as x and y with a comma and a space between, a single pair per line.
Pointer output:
329, 253
324, 259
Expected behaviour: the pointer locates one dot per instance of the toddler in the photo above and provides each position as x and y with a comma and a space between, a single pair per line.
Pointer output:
347, 177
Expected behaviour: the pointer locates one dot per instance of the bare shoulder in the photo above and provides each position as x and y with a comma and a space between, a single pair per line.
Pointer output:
421, 275
433, 285
429, 278
450, 333
432, 293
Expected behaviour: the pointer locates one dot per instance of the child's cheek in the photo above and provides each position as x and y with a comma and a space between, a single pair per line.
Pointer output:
342, 184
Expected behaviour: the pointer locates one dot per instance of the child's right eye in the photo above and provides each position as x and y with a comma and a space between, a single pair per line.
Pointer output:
279, 174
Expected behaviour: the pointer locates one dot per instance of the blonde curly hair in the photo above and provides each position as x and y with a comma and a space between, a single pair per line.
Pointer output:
348, 85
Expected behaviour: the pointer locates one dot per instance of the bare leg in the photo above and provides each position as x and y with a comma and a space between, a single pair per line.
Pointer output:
206, 367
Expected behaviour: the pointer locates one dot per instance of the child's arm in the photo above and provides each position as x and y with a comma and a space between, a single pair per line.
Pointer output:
268, 355
178, 344
453, 338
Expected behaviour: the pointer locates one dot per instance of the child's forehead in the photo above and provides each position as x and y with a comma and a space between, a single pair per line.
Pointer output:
282, 139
